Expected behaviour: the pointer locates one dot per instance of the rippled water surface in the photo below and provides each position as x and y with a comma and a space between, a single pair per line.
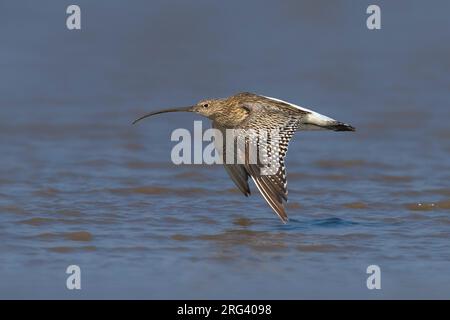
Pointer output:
80, 185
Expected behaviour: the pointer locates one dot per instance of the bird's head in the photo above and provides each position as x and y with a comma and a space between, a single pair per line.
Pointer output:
209, 108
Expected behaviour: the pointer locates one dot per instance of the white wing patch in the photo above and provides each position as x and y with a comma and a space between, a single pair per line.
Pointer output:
291, 104
312, 118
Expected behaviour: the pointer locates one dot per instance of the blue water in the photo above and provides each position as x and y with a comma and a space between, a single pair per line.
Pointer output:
80, 185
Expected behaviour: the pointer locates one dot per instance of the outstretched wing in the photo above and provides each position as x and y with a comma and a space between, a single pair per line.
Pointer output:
236, 172
262, 144
275, 125
269, 173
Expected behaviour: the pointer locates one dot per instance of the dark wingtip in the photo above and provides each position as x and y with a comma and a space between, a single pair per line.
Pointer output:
342, 127
284, 220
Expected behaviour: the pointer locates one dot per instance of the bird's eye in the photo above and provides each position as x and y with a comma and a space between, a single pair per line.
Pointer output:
205, 105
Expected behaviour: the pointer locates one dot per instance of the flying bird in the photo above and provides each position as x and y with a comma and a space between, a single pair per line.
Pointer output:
254, 114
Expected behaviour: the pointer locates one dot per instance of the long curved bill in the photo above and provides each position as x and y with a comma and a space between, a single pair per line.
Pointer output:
186, 109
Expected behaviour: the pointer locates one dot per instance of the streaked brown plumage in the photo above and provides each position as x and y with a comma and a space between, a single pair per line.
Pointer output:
253, 114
